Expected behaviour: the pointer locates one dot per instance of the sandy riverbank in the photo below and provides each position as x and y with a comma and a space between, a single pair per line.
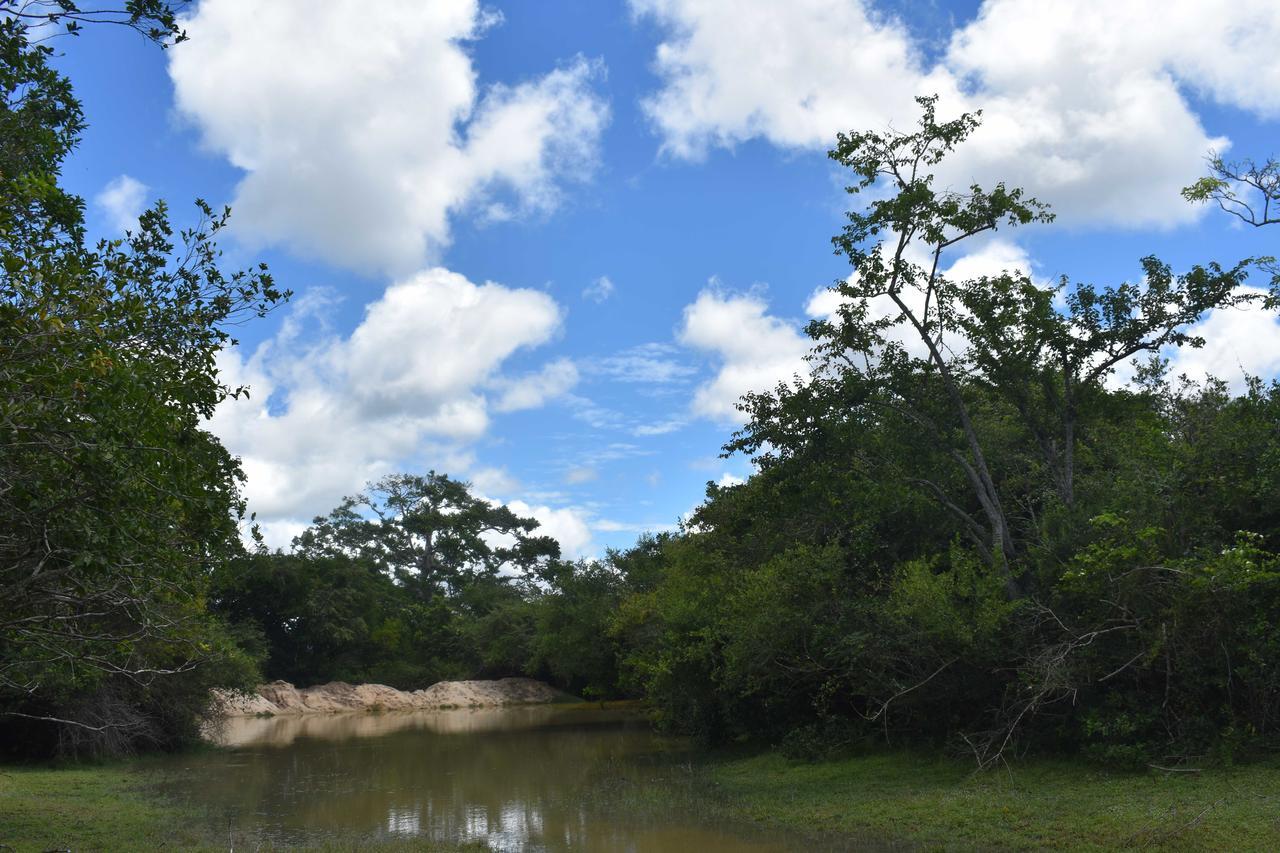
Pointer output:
279, 698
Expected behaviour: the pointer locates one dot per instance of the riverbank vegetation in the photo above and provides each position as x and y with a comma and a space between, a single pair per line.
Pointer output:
940, 804
989, 524
115, 501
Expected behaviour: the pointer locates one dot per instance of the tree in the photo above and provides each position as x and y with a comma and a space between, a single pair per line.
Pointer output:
155, 20
431, 535
1245, 189
1250, 192
950, 360
413, 581
323, 618
115, 502
917, 216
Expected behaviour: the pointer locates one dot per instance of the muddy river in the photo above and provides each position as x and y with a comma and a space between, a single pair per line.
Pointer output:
532, 778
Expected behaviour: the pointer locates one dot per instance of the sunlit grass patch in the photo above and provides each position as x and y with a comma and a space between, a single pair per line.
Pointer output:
1064, 805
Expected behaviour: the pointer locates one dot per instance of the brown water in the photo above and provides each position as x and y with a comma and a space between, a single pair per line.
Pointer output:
537, 778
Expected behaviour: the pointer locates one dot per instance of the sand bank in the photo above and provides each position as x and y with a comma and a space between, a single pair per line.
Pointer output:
278, 698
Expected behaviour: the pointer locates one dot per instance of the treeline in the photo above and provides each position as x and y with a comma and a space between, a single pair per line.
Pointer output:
967, 529
417, 581
989, 521
830, 600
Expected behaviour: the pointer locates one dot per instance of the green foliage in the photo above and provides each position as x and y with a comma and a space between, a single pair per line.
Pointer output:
1247, 190
429, 534
418, 581
114, 501
570, 632
962, 530
958, 606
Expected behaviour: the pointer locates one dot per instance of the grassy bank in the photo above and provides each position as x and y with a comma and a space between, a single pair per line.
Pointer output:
1039, 805
111, 808
88, 808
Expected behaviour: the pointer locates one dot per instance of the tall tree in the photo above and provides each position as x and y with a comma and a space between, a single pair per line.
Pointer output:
947, 358
430, 534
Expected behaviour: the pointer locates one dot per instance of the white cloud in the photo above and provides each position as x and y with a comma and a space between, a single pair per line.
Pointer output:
990, 260
1238, 341
575, 527
405, 387
493, 481
363, 132
755, 350
659, 427
793, 73
280, 534
599, 290
556, 379
570, 526
1084, 104
123, 200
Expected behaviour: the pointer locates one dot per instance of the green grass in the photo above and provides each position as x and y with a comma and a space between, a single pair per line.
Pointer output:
87, 808
110, 807
1040, 805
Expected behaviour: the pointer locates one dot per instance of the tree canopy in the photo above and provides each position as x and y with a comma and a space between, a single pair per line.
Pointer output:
115, 502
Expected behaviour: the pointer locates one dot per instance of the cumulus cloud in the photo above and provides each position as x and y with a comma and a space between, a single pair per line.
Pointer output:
570, 526
755, 351
792, 73
1085, 105
407, 386
1238, 342
362, 131
493, 481
123, 200
989, 260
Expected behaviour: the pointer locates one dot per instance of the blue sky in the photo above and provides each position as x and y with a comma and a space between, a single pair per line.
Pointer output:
544, 246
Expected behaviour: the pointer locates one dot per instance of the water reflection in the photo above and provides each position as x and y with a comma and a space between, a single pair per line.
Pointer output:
528, 778
284, 730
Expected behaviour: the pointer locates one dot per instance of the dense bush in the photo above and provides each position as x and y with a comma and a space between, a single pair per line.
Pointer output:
115, 503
